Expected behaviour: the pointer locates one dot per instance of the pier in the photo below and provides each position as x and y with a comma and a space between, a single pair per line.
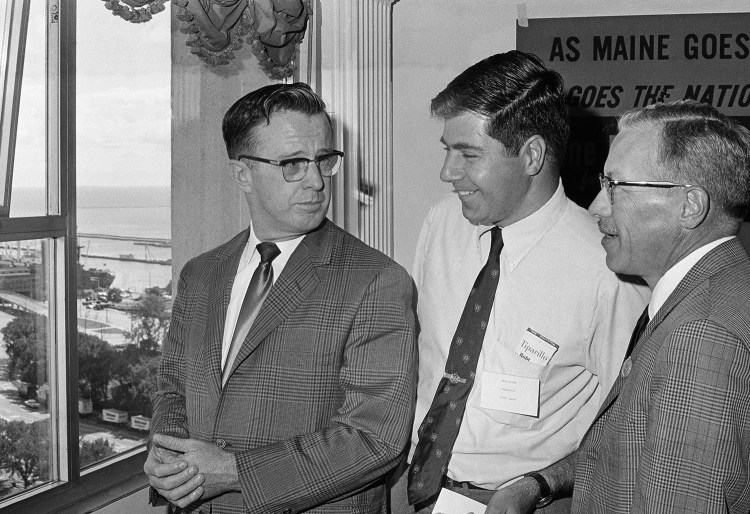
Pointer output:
131, 258
150, 241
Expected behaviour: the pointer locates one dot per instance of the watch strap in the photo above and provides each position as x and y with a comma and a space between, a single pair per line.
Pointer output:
545, 492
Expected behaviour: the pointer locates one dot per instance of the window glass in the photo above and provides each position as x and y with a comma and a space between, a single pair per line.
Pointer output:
123, 218
26, 426
28, 197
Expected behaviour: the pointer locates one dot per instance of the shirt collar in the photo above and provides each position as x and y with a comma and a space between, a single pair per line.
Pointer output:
671, 279
285, 247
520, 237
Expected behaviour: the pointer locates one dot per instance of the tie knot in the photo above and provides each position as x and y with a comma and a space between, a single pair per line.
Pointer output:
268, 251
497, 242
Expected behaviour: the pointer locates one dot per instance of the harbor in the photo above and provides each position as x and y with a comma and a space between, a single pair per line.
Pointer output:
136, 262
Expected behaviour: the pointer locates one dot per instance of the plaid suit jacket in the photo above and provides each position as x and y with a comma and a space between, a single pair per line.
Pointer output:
320, 400
673, 435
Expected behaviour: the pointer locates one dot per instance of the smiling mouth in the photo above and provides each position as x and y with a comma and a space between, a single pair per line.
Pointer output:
464, 194
607, 234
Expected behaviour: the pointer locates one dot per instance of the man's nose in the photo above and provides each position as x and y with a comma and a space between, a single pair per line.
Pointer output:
451, 170
600, 207
313, 179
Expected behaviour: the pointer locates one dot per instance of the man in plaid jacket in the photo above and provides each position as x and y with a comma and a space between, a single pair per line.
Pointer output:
673, 435
317, 404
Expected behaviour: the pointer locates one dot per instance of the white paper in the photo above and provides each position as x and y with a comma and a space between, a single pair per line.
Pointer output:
450, 502
510, 393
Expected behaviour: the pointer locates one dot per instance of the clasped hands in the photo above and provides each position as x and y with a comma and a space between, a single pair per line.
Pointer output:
184, 470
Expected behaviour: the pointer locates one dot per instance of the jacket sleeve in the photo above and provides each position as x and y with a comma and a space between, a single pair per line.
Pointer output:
169, 400
371, 428
698, 437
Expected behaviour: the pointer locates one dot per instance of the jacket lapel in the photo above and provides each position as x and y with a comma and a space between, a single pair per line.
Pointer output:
726, 254
298, 279
218, 302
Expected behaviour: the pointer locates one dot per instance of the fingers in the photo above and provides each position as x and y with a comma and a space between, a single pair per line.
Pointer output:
186, 493
169, 442
157, 467
166, 455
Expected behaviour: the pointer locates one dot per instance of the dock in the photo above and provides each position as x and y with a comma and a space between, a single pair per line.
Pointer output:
146, 241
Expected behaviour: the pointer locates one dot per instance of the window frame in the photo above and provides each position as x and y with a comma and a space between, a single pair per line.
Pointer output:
106, 482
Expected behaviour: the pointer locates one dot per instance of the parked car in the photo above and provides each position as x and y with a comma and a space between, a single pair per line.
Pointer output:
32, 404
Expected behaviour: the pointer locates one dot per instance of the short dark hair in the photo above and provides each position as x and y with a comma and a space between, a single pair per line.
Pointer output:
700, 145
256, 108
518, 95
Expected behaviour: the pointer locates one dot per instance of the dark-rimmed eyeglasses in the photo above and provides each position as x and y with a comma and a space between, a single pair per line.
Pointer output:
608, 184
295, 169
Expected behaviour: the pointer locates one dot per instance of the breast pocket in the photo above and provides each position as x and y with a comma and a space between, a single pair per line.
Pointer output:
510, 388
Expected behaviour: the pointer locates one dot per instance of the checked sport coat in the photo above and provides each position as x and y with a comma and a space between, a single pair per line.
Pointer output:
320, 400
673, 435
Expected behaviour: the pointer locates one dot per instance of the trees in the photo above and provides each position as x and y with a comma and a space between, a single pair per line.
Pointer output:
94, 451
151, 319
137, 382
114, 295
24, 451
96, 360
25, 343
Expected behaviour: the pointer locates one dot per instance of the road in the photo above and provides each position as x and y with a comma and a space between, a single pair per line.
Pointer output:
108, 324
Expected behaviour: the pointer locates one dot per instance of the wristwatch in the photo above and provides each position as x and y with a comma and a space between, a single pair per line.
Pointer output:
545, 493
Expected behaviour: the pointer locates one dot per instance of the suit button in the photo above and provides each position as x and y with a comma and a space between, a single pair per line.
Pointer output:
627, 367
221, 443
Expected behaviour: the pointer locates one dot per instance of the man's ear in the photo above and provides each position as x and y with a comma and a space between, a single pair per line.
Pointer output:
534, 153
241, 174
695, 206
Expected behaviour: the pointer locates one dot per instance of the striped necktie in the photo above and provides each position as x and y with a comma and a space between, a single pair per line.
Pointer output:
260, 285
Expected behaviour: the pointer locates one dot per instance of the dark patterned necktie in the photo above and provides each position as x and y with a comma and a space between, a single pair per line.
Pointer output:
438, 431
640, 327
260, 285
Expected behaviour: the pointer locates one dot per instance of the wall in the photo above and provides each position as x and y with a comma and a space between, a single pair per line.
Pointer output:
136, 502
435, 40
207, 207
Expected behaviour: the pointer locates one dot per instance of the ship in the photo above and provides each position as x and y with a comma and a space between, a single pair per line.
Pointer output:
94, 278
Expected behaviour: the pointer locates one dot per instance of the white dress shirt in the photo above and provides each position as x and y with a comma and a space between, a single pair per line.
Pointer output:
248, 263
674, 275
554, 281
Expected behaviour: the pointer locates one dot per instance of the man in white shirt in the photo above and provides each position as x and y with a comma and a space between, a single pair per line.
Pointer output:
560, 321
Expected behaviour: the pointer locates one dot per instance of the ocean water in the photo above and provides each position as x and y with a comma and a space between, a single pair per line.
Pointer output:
122, 211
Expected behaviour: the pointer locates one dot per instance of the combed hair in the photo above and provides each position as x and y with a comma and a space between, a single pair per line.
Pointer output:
256, 108
701, 146
519, 97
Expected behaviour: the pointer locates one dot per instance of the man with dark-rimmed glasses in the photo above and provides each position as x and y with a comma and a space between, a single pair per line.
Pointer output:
673, 435
287, 379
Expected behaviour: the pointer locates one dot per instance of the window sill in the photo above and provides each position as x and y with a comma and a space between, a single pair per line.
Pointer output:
92, 491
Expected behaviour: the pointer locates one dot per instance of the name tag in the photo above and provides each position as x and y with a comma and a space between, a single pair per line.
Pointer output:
536, 348
510, 393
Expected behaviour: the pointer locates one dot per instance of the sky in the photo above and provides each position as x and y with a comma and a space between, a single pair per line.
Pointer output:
122, 105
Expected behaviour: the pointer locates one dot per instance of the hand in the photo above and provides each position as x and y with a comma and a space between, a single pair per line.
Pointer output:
217, 467
518, 498
172, 477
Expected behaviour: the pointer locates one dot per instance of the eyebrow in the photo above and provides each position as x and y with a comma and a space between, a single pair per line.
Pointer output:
462, 146
300, 154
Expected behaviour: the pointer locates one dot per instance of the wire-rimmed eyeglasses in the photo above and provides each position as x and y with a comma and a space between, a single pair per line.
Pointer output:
608, 184
295, 169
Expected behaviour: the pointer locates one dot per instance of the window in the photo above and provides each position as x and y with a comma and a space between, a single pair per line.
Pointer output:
85, 257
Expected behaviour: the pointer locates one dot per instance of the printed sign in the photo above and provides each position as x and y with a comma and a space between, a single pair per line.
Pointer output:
615, 63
